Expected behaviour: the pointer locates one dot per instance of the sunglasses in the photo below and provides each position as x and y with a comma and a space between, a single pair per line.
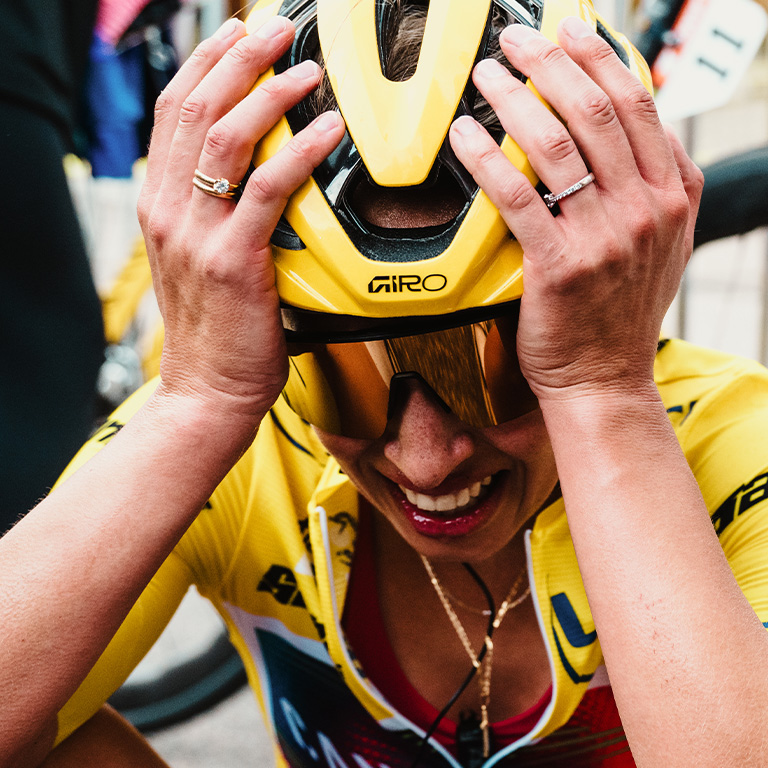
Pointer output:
355, 389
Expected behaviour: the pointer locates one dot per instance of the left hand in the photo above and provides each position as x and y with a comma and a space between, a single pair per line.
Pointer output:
600, 276
212, 267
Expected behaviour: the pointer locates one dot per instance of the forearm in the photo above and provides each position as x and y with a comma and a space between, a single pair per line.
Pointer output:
667, 608
107, 739
74, 566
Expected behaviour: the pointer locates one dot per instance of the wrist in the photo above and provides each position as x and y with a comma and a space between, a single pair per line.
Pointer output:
217, 422
604, 416
601, 368
600, 398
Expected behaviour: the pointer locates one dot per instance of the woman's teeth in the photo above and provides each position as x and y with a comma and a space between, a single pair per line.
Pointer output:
449, 502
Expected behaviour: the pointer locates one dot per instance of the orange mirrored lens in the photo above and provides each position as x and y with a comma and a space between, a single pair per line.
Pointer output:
344, 388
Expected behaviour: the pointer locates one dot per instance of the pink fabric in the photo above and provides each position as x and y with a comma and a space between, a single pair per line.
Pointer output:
115, 16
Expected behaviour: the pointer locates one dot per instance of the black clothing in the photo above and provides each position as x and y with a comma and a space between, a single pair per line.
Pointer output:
51, 336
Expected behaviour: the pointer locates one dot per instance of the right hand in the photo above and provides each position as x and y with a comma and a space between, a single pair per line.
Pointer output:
600, 276
211, 258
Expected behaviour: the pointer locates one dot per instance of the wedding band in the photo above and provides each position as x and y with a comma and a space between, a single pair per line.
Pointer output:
214, 187
552, 200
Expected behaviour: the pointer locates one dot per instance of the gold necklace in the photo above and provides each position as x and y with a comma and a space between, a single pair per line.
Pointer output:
470, 608
512, 600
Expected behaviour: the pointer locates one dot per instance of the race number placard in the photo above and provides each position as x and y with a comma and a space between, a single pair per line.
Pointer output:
706, 54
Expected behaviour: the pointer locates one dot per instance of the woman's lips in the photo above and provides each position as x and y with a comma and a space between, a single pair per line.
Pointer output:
452, 514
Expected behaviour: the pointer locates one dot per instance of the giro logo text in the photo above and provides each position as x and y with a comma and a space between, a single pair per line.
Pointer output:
403, 283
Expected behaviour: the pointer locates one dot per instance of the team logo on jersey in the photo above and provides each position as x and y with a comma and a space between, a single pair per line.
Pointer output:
574, 634
107, 431
281, 583
741, 500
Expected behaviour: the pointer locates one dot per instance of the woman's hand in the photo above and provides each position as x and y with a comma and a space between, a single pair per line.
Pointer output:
600, 276
210, 257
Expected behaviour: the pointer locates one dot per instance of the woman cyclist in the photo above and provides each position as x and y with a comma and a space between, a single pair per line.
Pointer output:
475, 529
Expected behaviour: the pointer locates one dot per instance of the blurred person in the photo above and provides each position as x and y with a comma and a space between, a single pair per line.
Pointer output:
131, 61
448, 521
51, 338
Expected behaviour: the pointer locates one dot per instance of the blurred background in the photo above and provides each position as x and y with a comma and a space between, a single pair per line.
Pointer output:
711, 74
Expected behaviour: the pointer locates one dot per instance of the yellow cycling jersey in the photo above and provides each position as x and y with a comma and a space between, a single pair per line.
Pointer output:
273, 548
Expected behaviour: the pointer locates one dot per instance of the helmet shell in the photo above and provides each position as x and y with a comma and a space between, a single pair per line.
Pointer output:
398, 130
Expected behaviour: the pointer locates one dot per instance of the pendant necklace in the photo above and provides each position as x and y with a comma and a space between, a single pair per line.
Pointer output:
469, 723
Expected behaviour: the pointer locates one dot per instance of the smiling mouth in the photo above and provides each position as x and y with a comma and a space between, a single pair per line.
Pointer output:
449, 503
452, 515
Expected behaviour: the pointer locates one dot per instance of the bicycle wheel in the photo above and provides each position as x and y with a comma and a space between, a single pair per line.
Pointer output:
192, 667
735, 198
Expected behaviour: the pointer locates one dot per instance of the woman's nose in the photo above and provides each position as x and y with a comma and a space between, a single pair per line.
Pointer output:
425, 441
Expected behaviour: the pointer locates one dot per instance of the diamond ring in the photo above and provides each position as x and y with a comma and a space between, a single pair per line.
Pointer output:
552, 200
214, 187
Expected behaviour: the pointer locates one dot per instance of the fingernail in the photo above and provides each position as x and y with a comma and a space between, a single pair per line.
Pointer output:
490, 68
304, 71
517, 34
465, 125
272, 28
327, 121
227, 29
576, 28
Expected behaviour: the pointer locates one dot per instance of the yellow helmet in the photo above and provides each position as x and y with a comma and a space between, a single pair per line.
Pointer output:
341, 277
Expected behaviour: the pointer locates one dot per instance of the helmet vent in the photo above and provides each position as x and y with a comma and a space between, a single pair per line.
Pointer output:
400, 31
422, 209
